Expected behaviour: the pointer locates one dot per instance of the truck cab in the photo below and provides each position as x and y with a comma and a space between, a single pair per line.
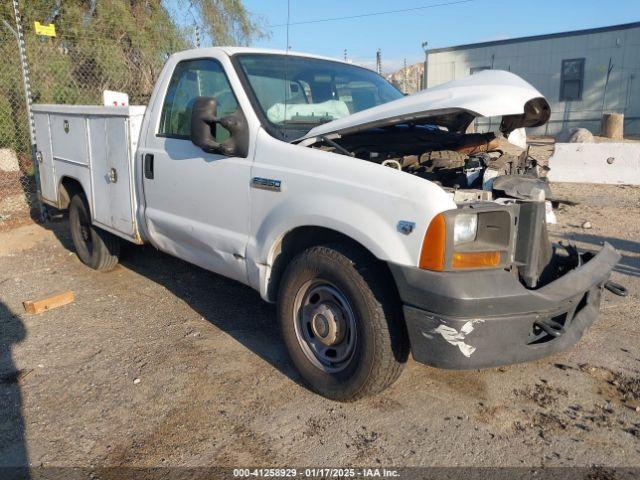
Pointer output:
374, 220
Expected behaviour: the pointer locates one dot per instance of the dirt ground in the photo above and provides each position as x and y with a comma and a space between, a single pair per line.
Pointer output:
160, 363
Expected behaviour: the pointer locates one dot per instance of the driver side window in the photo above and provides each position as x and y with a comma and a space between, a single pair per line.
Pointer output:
192, 79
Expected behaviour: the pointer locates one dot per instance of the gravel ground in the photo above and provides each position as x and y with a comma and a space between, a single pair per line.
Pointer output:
160, 363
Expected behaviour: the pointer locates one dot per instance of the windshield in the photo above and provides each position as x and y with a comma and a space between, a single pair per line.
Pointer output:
296, 94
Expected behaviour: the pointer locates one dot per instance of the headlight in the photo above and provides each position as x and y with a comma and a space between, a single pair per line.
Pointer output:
477, 238
465, 228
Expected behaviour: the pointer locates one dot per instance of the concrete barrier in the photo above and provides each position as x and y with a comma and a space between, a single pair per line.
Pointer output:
609, 163
8, 160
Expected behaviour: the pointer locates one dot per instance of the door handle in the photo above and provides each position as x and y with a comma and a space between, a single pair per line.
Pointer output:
148, 166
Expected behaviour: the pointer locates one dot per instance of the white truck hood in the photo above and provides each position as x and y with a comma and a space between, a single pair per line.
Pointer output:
454, 105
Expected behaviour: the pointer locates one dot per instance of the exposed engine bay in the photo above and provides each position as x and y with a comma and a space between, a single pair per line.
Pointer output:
450, 159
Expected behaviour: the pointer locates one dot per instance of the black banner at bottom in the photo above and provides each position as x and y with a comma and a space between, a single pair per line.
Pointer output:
401, 473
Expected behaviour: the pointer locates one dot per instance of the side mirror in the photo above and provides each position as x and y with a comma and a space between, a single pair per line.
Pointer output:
203, 123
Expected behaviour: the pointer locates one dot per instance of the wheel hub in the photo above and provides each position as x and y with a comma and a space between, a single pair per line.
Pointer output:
84, 231
327, 324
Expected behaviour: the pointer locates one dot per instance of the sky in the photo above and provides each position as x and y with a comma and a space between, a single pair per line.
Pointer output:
448, 22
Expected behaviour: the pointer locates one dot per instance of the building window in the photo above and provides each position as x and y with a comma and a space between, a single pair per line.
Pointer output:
473, 70
572, 79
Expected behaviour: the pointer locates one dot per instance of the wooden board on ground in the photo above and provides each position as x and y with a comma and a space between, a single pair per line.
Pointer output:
48, 303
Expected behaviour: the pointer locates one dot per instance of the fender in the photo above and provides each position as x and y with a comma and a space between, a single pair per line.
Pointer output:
292, 215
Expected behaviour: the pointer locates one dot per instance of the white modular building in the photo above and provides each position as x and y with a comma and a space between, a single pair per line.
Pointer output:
582, 73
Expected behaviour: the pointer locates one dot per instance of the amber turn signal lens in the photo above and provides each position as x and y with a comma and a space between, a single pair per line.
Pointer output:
433, 245
475, 259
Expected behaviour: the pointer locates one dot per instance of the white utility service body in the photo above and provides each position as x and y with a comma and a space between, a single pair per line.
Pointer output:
95, 145
261, 203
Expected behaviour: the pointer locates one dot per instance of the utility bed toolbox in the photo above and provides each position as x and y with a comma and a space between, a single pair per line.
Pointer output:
94, 146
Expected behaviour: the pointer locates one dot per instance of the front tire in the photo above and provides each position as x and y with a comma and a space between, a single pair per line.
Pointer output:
95, 247
341, 321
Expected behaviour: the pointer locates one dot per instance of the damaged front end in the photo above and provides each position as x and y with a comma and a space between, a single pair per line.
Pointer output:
535, 300
505, 294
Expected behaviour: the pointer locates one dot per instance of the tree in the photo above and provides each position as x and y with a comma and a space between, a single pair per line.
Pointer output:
225, 22
102, 44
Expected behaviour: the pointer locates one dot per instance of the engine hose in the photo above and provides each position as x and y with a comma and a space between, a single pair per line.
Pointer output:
392, 164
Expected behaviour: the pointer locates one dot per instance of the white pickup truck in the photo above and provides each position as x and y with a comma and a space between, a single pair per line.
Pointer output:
359, 210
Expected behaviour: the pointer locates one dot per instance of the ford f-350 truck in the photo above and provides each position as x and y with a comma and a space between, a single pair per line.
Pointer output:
378, 225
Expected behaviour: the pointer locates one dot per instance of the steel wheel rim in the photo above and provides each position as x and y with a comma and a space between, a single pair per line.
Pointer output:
325, 325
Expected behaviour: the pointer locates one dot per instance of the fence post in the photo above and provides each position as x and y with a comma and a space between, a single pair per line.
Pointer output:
29, 100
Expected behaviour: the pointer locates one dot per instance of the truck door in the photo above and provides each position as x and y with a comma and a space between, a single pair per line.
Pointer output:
110, 173
197, 203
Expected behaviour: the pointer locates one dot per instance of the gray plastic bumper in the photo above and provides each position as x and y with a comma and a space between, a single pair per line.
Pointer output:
467, 320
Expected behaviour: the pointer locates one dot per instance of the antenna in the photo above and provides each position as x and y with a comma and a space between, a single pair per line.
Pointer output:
379, 62
288, 23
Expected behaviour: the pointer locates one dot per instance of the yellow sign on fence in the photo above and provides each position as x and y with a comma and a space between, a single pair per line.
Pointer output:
45, 30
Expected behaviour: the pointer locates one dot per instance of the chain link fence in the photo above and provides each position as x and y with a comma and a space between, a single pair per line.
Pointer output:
18, 199
92, 51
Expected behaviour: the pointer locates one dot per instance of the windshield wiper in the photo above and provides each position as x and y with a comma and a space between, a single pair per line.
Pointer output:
333, 144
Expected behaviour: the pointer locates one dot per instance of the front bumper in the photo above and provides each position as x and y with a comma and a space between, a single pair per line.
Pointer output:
468, 320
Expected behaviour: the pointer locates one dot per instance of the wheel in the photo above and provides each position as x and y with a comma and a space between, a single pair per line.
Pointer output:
342, 323
95, 247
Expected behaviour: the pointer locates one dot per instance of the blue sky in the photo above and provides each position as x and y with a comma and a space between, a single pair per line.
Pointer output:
400, 35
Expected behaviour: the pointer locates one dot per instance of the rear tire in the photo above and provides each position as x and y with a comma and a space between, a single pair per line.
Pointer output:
95, 247
342, 323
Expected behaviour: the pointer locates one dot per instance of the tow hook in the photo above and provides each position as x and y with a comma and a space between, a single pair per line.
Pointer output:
616, 289
551, 327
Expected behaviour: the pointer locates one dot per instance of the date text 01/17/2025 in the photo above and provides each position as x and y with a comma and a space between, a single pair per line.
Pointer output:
315, 473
